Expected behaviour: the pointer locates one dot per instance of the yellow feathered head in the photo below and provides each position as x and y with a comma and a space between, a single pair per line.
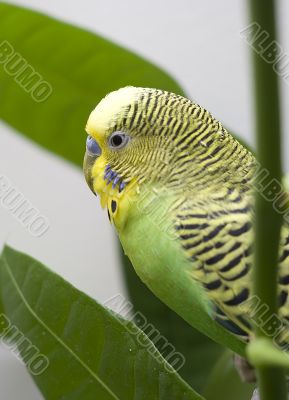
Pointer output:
128, 139
141, 135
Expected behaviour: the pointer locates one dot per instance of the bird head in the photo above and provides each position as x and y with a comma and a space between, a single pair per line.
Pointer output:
124, 138
126, 144
140, 137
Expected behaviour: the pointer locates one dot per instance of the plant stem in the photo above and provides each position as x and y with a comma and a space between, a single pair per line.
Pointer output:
271, 381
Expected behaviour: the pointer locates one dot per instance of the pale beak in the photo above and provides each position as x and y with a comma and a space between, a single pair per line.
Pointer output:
88, 162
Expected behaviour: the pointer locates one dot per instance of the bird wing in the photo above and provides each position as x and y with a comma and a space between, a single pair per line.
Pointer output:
216, 234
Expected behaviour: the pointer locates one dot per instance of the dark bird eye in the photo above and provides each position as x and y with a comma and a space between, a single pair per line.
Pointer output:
92, 146
118, 140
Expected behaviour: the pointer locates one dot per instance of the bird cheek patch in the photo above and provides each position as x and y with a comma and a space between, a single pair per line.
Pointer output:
111, 176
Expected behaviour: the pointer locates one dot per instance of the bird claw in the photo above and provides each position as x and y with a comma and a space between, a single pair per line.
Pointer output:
255, 395
245, 370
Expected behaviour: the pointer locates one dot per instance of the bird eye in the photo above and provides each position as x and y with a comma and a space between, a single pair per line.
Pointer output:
118, 140
92, 146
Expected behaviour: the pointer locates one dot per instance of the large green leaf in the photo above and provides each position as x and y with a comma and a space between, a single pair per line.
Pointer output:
81, 68
91, 354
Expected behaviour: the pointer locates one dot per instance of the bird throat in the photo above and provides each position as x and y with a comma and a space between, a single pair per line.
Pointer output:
115, 195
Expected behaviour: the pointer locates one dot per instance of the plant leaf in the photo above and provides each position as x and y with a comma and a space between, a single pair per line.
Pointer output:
91, 353
81, 69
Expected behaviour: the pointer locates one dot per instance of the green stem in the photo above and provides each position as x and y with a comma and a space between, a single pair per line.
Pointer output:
271, 381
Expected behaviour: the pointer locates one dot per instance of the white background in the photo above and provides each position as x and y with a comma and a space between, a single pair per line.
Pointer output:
198, 42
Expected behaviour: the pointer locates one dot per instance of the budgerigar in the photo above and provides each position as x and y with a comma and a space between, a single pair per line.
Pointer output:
179, 190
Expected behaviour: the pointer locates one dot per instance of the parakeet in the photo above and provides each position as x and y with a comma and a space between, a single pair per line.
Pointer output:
179, 190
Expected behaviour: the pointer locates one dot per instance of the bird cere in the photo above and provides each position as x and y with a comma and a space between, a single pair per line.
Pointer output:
157, 156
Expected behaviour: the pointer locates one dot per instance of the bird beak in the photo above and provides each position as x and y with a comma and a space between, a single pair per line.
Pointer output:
88, 162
